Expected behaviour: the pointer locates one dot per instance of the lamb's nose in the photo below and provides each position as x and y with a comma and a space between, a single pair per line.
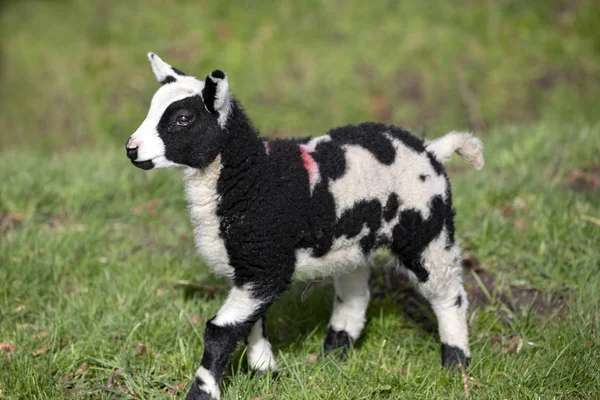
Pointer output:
132, 153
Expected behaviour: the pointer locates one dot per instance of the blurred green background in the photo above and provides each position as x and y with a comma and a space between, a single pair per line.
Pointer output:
75, 75
93, 251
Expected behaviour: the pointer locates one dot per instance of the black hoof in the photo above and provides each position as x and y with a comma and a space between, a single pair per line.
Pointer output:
337, 340
195, 393
453, 356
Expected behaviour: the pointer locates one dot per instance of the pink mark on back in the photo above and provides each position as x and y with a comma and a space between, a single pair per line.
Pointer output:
267, 148
310, 165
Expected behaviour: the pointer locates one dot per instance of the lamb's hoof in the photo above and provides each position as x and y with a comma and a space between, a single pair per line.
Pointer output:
196, 393
337, 340
452, 357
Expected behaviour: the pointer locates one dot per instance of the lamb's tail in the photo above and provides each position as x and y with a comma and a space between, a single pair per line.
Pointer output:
466, 145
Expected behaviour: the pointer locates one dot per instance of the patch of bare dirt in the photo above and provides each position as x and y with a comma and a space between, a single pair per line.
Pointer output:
583, 180
39, 351
483, 289
7, 347
10, 221
140, 348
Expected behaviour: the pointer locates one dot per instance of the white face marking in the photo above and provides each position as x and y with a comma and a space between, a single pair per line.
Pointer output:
146, 138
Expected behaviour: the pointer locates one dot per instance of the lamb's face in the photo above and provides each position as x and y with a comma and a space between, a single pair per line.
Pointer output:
185, 120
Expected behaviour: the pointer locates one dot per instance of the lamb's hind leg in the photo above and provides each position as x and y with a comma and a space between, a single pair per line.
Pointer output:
349, 309
438, 277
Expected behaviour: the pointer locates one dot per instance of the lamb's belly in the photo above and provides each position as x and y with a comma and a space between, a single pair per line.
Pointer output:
340, 259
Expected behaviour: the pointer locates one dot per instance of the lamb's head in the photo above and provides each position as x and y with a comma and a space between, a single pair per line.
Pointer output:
184, 126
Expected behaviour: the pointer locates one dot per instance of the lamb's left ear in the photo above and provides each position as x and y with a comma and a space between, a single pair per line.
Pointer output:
217, 98
164, 72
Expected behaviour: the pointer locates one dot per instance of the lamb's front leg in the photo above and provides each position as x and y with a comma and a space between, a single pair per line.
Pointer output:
259, 353
232, 323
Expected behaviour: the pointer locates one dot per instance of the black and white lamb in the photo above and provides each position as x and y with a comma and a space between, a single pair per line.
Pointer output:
264, 210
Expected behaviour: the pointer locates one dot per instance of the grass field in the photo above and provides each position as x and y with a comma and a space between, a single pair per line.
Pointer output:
93, 249
102, 294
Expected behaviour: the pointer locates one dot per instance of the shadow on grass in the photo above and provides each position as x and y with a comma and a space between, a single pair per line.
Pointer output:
301, 313
304, 311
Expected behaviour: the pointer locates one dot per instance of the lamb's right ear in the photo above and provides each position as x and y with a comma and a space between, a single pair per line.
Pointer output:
164, 72
217, 98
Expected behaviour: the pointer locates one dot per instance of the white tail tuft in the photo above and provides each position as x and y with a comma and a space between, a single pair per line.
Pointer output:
466, 145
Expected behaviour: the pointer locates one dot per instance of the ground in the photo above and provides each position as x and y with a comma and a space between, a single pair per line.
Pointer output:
103, 295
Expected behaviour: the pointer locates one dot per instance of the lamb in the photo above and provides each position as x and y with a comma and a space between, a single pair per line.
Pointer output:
266, 210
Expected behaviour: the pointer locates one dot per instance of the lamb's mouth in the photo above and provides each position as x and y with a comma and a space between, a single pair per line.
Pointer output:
148, 164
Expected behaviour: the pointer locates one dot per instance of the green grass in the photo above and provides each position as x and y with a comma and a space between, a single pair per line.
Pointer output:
91, 249
95, 248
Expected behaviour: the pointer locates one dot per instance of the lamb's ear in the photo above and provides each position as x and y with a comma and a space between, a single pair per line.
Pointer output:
164, 72
217, 98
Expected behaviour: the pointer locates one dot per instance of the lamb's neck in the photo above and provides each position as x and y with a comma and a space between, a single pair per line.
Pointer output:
243, 164
241, 158
201, 185
242, 147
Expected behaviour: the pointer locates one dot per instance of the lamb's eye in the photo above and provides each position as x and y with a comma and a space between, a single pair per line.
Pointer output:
183, 120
